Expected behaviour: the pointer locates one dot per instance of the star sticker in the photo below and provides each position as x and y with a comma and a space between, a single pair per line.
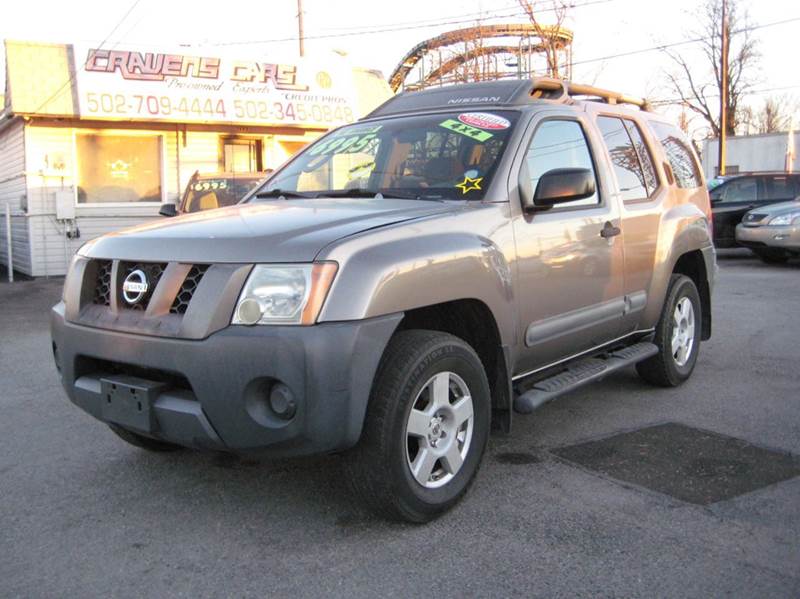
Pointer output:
469, 184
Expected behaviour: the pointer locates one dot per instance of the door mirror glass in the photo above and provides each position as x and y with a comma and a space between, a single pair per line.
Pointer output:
561, 185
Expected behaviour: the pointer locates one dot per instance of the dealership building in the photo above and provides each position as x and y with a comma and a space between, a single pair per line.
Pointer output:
93, 140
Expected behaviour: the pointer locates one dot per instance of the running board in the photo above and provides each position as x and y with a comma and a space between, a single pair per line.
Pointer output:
581, 372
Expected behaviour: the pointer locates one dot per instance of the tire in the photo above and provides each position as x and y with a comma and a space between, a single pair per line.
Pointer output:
395, 440
141, 441
669, 368
772, 256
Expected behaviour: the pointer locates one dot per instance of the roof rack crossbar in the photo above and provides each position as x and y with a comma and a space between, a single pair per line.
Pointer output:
542, 85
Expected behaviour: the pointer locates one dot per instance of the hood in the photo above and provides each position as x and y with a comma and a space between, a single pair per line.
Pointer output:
778, 209
270, 231
763, 214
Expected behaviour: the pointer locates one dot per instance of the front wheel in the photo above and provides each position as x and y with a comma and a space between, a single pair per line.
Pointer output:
677, 336
426, 427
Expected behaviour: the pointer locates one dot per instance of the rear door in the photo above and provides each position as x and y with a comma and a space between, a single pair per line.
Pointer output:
729, 202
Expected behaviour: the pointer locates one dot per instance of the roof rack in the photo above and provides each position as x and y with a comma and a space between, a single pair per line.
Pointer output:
543, 85
501, 92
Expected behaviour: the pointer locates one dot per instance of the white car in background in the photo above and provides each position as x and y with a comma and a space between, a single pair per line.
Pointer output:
772, 232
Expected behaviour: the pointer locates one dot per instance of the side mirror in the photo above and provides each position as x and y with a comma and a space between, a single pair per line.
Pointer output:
168, 210
562, 185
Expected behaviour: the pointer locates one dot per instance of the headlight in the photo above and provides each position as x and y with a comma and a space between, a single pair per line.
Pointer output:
790, 218
284, 294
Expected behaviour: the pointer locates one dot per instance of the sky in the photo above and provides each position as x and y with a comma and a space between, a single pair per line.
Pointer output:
602, 28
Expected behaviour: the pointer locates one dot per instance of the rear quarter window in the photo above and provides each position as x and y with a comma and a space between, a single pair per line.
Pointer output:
680, 156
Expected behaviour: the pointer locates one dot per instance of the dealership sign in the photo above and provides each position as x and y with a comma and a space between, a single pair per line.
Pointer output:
124, 84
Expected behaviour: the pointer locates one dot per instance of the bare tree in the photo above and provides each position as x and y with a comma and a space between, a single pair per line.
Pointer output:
698, 84
548, 34
775, 115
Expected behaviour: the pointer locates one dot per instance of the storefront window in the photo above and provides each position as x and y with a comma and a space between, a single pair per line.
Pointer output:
241, 155
118, 168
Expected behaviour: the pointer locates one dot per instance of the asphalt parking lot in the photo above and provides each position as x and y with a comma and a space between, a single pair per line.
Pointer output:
82, 514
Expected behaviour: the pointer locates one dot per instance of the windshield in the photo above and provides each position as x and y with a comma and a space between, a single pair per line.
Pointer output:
209, 193
442, 156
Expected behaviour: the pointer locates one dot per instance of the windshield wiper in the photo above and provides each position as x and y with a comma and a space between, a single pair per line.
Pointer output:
276, 193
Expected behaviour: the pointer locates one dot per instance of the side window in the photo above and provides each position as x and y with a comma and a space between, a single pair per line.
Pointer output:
632, 185
645, 159
560, 144
739, 190
679, 154
779, 188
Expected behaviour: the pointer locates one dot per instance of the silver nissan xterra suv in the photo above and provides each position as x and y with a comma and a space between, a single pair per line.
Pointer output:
402, 286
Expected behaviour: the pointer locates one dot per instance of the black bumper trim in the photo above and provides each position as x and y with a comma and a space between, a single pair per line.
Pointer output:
329, 367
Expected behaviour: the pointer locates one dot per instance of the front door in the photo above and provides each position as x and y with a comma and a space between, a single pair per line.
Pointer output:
569, 277
729, 202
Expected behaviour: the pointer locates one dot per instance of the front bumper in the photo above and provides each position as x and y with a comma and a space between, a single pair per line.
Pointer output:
214, 392
781, 237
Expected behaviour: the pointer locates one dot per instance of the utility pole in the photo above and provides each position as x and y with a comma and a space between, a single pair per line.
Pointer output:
723, 96
300, 26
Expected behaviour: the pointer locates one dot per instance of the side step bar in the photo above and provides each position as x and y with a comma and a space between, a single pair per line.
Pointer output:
580, 373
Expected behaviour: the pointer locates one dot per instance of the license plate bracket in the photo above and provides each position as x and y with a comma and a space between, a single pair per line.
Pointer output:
128, 401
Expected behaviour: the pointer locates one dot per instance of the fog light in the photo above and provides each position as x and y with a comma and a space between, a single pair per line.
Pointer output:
281, 401
779, 237
249, 311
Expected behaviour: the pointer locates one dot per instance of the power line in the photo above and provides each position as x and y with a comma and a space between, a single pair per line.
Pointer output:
72, 77
415, 25
681, 43
755, 92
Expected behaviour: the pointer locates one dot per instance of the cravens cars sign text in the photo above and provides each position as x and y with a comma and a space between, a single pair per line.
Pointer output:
134, 85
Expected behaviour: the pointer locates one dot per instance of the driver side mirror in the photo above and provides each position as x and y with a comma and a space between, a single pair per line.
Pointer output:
556, 186
168, 210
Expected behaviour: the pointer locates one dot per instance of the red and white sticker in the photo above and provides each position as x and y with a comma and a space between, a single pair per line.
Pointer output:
484, 120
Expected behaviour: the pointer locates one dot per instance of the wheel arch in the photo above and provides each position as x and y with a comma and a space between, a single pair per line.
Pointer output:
693, 265
472, 321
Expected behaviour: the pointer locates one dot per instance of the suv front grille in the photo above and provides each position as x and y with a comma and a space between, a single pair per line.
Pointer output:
102, 289
154, 271
188, 288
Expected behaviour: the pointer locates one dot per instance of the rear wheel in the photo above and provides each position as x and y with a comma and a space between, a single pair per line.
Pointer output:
141, 441
677, 336
426, 427
772, 256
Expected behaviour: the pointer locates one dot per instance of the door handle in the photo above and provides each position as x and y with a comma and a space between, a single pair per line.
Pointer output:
608, 231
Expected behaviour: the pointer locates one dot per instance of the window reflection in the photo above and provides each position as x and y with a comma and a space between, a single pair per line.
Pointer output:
680, 157
559, 144
624, 158
118, 168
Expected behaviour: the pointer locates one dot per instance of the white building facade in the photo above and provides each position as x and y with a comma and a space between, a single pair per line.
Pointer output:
93, 141
751, 153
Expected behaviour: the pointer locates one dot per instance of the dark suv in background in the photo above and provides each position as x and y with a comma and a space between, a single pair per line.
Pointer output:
739, 194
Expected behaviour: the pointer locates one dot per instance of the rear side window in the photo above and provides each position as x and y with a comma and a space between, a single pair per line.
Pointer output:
781, 188
635, 182
679, 154
559, 144
645, 159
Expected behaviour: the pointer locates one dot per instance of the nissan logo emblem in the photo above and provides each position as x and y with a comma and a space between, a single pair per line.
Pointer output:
135, 287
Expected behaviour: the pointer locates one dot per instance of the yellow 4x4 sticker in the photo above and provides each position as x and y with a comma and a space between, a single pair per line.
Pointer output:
463, 129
